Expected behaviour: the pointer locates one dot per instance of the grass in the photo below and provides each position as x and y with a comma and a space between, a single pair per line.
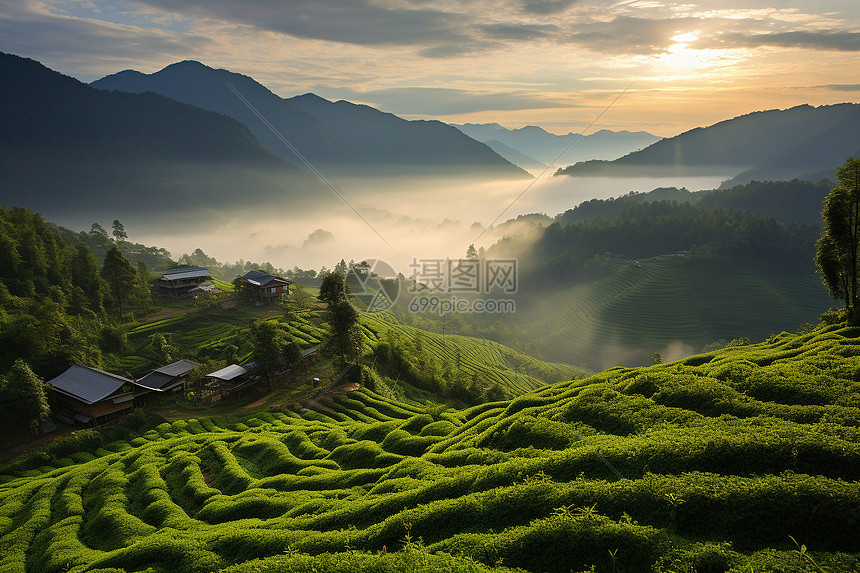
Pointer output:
717, 462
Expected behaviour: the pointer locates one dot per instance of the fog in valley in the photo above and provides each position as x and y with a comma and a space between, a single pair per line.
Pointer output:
396, 220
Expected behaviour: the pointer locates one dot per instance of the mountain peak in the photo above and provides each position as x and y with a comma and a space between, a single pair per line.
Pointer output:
342, 136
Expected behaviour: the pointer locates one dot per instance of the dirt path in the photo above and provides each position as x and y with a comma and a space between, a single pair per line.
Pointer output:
162, 314
258, 403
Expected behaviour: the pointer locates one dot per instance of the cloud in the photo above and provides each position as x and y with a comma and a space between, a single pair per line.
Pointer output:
443, 101
840, 87
317, 238
519, 32
628, 34
362, 22
545, 7
31, 29
812, 40
451, 30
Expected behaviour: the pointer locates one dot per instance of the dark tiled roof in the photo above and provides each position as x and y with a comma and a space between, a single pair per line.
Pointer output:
155, 380
184, 273
185, 270
228, 373
260, 278
234, 371
178, 368
89, 385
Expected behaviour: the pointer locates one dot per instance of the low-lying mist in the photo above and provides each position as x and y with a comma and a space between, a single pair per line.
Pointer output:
394, 219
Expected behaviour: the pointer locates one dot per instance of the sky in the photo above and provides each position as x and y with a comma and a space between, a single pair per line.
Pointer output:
566, 65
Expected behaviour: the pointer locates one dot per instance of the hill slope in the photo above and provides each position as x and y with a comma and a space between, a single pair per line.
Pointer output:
668, 305
614, 281
339, 137
774, 144
67, 148
710, 463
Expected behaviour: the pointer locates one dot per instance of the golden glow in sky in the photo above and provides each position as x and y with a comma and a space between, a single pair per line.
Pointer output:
554, 63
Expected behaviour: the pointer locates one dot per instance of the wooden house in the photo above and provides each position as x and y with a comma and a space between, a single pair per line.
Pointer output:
234, 380
91, 395
169, 379
182, 281
266, 287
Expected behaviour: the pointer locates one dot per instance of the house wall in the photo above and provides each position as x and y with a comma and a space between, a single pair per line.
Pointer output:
97, 410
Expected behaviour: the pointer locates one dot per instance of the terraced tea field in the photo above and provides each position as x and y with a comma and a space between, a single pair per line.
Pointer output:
643, 309
713, 463
489, 361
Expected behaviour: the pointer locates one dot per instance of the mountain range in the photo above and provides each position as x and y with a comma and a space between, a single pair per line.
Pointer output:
340, 137
533, 147
67, 148
803, 141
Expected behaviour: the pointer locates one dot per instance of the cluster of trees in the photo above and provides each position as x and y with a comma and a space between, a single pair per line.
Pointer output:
58, 306
795, 200
226, 271
564, 253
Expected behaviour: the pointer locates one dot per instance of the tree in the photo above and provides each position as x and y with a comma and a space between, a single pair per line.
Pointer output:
84, 274
98, 235
119, 231
26, 394
163, 349
471, 252
344, 341
272, 348
244, 290
837, 250
333, 288
143, 287
120, 276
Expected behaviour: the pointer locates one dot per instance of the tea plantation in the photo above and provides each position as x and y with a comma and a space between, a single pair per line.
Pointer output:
744, 459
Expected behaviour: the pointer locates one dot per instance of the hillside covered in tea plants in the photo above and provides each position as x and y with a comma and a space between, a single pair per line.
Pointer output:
742, 459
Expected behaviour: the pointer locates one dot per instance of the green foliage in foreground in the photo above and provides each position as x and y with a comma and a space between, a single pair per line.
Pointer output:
717, 462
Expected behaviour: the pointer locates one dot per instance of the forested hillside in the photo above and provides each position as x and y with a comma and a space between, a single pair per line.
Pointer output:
744, 459
614, 281
787, 201
58, 305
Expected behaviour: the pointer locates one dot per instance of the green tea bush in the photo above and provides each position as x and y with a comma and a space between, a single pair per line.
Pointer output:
362, 454
403, 443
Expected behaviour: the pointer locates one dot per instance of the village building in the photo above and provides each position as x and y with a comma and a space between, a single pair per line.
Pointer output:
164, 381
266, 287
184, 281
90, 395
233, 381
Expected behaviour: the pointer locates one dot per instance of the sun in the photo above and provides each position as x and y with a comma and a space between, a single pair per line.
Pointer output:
683, 60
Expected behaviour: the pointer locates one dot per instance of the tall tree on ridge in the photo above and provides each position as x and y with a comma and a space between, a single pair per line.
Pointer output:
838, 251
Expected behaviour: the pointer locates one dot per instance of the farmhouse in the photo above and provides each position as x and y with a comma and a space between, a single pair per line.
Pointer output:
89, 394
234, 380
168, 379
182, 281
266, 287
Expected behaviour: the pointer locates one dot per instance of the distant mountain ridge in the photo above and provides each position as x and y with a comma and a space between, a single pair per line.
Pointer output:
763, 145
544, 147
67, 148
337, 137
